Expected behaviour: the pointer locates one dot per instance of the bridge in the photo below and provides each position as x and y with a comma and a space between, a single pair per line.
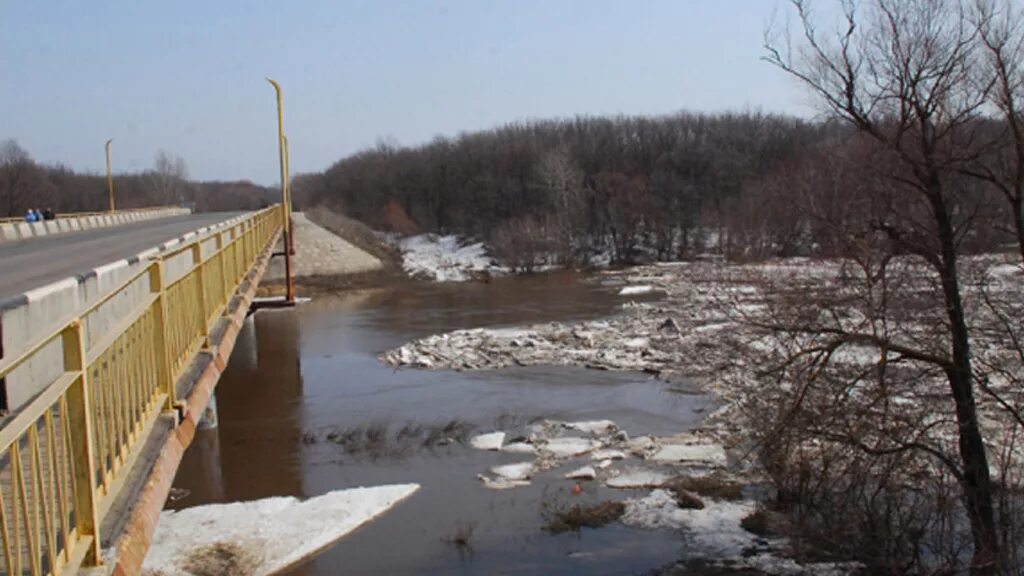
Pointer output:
105, 375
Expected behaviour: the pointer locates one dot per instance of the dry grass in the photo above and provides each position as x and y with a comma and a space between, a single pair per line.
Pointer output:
222, 559
462, 537
583, 516
716, 485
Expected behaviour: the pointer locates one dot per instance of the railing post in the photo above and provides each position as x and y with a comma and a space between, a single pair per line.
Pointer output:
247, 242
165, 380
225, 284
197, 263
79, 401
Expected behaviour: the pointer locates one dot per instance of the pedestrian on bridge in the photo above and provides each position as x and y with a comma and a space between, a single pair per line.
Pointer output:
30, 215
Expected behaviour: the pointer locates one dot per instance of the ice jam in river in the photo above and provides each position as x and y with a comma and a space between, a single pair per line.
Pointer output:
526, 470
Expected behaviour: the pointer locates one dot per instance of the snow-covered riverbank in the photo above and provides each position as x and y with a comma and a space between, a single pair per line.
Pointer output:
446, 258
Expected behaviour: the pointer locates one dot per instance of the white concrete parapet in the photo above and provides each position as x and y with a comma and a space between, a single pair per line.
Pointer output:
12, 231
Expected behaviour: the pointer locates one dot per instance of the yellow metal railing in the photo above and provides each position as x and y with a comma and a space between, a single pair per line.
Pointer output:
65, 454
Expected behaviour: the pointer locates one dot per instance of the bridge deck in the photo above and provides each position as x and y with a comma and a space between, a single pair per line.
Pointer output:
33, 263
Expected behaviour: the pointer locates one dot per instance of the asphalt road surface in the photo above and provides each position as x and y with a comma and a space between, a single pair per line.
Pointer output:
36, 262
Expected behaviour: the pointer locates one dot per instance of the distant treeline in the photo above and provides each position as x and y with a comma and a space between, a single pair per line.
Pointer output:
26, 184
747, 185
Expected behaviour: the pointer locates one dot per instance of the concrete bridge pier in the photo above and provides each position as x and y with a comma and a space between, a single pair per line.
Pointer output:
210, 420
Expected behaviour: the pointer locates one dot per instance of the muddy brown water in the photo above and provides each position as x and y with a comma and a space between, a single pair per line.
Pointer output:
306, 407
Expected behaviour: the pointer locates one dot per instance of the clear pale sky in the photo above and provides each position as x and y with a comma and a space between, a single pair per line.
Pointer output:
188, 76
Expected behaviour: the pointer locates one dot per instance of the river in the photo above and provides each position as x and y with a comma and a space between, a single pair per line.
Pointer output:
306, 407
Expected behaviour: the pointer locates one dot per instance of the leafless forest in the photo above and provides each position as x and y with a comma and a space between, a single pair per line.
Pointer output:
25, 184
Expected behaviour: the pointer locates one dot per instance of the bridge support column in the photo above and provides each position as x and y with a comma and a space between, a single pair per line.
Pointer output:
210, 420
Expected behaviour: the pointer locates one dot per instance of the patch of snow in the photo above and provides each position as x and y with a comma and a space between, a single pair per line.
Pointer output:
776, 566
1006, 270
445, 258
714, 529
638, 479
490, 441
275, 533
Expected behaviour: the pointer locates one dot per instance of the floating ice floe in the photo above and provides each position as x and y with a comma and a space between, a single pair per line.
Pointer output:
712, 454
570, 446
635, 343
519, 448
490, 441
501, 483
638, 478
266, 535
608, 454
593, 426
642, 445
518, 471
636, 290
584, 473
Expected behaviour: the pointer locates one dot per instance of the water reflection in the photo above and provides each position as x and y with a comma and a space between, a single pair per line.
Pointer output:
255, 451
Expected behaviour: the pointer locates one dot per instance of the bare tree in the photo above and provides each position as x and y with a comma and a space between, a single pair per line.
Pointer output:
562, 181
901, 73
1000, 30
169, 178
21, 184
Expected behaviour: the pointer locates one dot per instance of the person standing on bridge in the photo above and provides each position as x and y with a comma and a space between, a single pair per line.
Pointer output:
30, 215
48, 214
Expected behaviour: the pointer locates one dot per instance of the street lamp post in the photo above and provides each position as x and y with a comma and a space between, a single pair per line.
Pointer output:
110, 179
288, 190
285, 201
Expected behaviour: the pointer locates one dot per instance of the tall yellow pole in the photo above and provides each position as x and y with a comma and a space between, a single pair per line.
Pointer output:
285, 216
110, 179
288, 190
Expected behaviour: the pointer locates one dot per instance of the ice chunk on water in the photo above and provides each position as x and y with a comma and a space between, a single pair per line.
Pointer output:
635, 290
519, 471
593, 426
270, 534
501, 483
491, 441
584, 473
638, 479
519, 448
608, 454
703, 453
570, 446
